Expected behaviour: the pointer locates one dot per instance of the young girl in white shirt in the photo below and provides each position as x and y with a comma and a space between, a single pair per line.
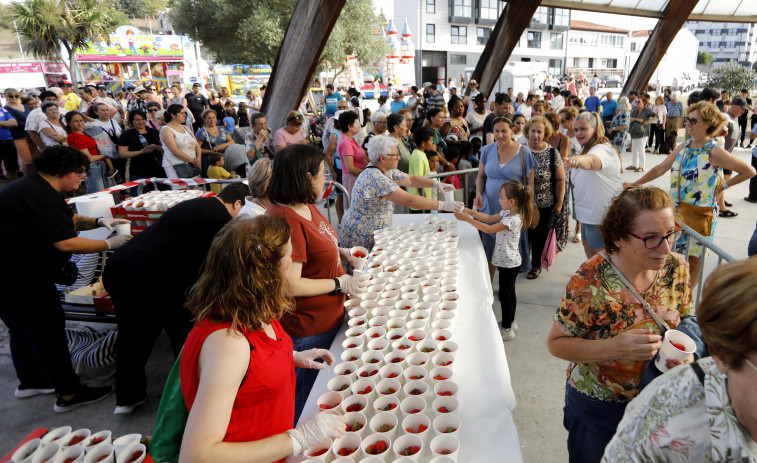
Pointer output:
517, 213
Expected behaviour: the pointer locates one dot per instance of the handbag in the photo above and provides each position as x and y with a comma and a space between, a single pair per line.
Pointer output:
550, 249
535, 217
700, 218
171, 419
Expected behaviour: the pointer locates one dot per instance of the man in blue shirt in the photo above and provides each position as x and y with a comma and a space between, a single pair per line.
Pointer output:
609, 108
675, 111
330, 100
397, 102
8, 153
592, 103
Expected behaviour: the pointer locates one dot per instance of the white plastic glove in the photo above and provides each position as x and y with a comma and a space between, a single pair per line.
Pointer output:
351, 284
324, 425
451, 206
306, 359
115, 242
443, 187
110, 223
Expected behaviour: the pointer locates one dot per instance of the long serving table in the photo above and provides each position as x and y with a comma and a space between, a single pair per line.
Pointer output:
486, 397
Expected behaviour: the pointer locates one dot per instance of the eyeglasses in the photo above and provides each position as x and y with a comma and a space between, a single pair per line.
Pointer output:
82, 173
652, 242
14, 96
690, 121
153, 89
153, 110
392, 156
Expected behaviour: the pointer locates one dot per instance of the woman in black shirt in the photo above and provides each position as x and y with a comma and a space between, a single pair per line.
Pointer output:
142, 145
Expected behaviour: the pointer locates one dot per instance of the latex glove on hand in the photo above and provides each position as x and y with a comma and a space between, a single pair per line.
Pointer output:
324, 425
353, 261
443, 187
451, 206
307, 359
351, 284
110, 224
115, 242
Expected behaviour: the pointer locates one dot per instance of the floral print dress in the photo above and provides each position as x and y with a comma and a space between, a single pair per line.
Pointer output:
369, 210
598, 305
698, 182
459, 129
619, 138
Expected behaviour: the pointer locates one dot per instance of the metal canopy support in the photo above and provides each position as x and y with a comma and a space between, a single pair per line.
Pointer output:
309, 28
675, 14
511, 23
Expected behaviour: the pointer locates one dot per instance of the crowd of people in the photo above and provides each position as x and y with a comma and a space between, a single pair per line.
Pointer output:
257, 290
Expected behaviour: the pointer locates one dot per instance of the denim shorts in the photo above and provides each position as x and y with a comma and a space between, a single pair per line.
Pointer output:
591, 424
592, 235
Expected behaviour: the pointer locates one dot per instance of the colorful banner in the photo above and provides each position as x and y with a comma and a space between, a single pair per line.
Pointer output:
127, 43
7, 68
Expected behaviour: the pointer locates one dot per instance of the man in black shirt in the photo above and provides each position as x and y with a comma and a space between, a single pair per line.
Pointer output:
166, 258
743, 127
503, 106
38, 234
196, 103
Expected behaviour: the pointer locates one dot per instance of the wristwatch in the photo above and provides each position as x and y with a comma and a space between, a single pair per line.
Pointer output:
725, 185
337, 287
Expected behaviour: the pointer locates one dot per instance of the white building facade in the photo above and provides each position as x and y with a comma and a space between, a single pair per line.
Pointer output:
595, 49
678, 63
726, 42
450, 36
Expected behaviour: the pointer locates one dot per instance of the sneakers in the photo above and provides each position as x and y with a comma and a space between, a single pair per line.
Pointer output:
85, 395
514, 326
127, 409
26, 392
508, 334
113, 175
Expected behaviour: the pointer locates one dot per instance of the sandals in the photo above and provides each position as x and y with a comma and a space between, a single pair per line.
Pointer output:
728, 213
639, 169
577, 238
533, 274
631, 168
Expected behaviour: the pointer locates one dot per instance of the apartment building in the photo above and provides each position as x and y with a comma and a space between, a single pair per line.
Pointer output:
595, 49
726, 41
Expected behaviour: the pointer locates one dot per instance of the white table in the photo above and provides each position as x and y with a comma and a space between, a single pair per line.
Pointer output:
485, 393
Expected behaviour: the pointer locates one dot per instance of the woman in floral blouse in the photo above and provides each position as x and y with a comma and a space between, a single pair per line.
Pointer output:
708, 413
377, 187
603, 330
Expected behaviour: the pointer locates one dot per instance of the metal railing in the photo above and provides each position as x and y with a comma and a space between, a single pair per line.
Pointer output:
709, 245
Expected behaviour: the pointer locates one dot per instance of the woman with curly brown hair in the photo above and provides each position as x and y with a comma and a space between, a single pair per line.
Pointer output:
601, 326
237, 366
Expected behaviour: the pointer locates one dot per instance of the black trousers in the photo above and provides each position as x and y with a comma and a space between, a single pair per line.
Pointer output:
753, 182
656, 136
507, 299
742, 126
32, 312
141, 320
538, 236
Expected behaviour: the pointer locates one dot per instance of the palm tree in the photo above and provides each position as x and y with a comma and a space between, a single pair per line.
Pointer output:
46, 25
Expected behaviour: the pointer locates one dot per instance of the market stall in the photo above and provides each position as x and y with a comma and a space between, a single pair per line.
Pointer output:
485, 396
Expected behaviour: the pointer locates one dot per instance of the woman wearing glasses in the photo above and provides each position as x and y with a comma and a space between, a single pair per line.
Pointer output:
153, 95
696, 172
290, 134
20, 138
604, 330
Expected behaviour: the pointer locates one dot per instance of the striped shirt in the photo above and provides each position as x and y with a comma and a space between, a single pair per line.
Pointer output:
674, 109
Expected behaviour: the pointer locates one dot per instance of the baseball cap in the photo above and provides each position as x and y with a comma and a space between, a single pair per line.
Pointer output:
140, 89
34, 92
196, 84
427, 84
61, 83
472, 81
102, 87
738, 101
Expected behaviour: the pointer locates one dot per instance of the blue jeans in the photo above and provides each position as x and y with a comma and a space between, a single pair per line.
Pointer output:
592, 235
591, 424
752, 249
96, 177
306, 376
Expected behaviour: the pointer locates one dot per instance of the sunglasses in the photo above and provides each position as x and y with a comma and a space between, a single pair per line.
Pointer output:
153, 89
690, 121
14, 96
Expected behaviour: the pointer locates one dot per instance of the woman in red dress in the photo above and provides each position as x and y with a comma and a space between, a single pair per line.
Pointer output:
237, 366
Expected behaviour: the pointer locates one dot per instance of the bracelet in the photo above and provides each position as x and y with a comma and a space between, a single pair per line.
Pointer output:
725, 185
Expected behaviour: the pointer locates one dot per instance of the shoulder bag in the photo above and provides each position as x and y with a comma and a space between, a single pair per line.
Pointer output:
700, 218
535, 217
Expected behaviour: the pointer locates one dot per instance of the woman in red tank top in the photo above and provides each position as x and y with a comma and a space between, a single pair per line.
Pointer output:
237, 366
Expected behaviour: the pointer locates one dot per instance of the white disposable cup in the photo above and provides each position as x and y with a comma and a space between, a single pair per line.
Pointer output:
343, 368
395, 334
106, 439
414, 297
668, 351
356, 311
359, 262
415, 385
443, 372
26, 452
350, 441
360, 401
355, 332
397, 318
80, 435
450, 403
356, 417
406, 441
363, 384
392, 287
428, 346
411, 403
446, 421
322, 445
123, 229
357, 321
371, 440
447, 346
448, 305
429, 290
416, 335
385, 385
352, 355
445, 443
442, 459
441, 324
396, 357
417, 359
387, 403
441, 335
369, 297
379, 345
382, 419
54, 435
448, 315
353, 343
403, 344
375, 332
330, 400
427, 306
380, 311
414, 422
47, 452
75, 451
416, 325
379, 320
368, 371
449, 195
127, 453
350, 304
444, 358
336, 383
403, 305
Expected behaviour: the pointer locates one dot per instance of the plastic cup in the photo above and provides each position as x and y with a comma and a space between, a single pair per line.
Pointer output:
404, 304
414, 297
451, 297
130, 452
445, 388
386, 386
387, 403
26, 452
369, 297
408, 445
123, 229
340, 384
429, 290
368, 371
396, 357
54, 435
378, 345
375, 332
427, 306
445, 445
353, 343
415, 388
77, 437
348, 369
444, 424
395, 334
361, 257
428, 346
371, 441
441, 324
123, 442
352, 418
403, 344
416, 325
377, 321
355, 331
357, 321
319, 452
448, 315
380, 311
98, 438
350, 304
448, 346
329, 401
423, 315
412, 405
444, 359
416, 335
417, 359
684, 346
439, 374
418, 425
392, 287
449, 404
73, 452
365, 387
397, 319
48, 452
385, 421
350, 442
356, 311
355, 403
441, 335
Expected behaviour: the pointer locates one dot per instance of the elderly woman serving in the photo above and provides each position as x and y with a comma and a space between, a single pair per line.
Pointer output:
378, 186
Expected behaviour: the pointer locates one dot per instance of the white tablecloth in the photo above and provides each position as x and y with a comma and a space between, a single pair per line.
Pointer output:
485, 393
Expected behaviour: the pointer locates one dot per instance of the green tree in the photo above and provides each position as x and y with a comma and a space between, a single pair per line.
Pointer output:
251, 31
47, 25
732, 77
140, 8
704, 58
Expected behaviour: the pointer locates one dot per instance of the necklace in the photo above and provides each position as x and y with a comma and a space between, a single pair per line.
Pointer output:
257, 201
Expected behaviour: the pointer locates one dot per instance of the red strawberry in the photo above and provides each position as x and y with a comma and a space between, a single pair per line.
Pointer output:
381, 447
403, 347
441, 338
319, 452
444, 364
371, 450
440, 377
343, 452
75, 440
412, 338
134, 457
446, 349
99, 459
392, 375
353, 358
359, 254
373, 361
356, 427
679, 346
344, 388
395, 337
415, 410
443, 410
385, 428
445, 393
390, 391
407, 307
325, 406
351, 346
96, 440
450, 429
427, 349
375, 335
416, 391
367, 390
422, 427
361, 322
354, 408
364, 374
396, 360
416, 377
389, 407
445, 452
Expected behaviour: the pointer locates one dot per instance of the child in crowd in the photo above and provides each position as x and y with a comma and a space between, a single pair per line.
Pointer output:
475, 153
419, 165
217, 171
243, 116
517, 212
231, 117
433, 167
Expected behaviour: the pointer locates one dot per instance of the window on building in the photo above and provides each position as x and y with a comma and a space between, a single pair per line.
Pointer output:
482, 35
431, 6
462, 8
609, 63
633, 46
555, 67
534, 39
459, 35
558, 17
576, 62
714, 44
488, 9
458, 59
541, 15
555, 41
716, 32
730, 44
430, 33
732, 31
